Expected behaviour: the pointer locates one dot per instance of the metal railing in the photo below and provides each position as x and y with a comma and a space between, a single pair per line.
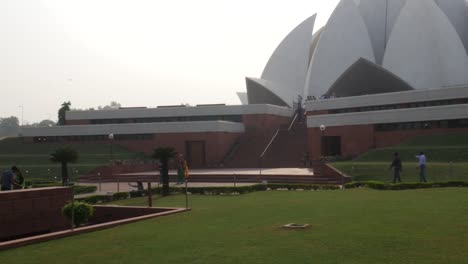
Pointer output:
270, 143
276, 135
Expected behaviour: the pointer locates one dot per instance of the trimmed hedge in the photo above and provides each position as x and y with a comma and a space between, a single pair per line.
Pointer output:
120, 196
244, 189
208, 191
404, 186
41, 183
81, 189
94, 199
306, 187
44, 185
38, 181
263, 187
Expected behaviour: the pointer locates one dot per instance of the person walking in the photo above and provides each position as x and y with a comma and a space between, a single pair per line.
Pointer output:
397, 167
422, 166
7, 180
18, 179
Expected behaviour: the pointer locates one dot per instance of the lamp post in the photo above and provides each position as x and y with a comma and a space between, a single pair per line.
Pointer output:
99, 177
322, 145
322, 139
111, 141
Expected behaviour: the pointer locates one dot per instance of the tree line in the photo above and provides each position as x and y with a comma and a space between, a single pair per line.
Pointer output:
10, 126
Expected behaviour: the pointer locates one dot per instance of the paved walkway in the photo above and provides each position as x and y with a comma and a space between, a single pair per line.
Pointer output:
112, 187
280, 171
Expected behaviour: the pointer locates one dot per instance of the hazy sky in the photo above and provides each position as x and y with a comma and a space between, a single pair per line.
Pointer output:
137, 52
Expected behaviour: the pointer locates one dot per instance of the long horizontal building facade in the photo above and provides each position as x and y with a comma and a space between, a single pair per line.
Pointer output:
204, 134
351, 126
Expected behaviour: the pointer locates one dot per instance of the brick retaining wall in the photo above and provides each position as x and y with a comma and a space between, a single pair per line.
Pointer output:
32, 211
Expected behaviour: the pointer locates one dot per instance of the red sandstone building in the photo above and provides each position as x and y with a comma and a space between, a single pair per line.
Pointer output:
267, 135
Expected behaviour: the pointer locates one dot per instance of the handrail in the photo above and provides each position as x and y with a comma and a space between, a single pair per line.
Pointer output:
294, 120
276, 135
269, 144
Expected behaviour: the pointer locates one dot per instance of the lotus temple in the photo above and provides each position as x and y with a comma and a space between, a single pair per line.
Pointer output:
380, 72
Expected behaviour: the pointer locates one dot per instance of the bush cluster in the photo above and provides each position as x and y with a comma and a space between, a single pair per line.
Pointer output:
306, 187
94, 199
120, 196
207, 191
81, 189
82, 212
41, 183
404, 186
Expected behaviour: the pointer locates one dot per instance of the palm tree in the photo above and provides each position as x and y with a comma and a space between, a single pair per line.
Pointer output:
61, 113
164, 154
64, 156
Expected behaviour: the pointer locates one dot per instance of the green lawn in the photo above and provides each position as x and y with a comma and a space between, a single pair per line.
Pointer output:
348, 226
34, 159
447, 157
379, 171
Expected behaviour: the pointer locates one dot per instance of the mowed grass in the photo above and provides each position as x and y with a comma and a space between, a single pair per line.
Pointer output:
447, 157
348, 226
34, 159
379, 171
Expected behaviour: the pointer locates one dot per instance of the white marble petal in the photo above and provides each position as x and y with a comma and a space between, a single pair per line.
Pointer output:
313, 45
344, 40
374, 13
457, 13
243, 98
288, 65
286, 95
424, 49
394, 8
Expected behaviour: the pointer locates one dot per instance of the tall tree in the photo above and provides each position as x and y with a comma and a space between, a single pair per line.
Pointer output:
64, 156
43, 123
46, 123
61, 113
112, 106
9, 126
164, 154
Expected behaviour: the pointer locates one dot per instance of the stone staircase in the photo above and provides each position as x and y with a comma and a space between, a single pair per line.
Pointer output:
283, 148
288, 148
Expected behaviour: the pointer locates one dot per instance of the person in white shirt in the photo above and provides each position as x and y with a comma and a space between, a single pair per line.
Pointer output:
422, 166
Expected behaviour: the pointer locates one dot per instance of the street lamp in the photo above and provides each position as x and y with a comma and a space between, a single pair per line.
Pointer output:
322, 139
111, 141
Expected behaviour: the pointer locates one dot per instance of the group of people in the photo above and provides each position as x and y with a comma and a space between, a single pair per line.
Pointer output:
12, 179
398, 167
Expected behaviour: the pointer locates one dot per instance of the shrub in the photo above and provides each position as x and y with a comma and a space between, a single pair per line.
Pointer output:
39, 182
353, 185
404, 186
302, 187
134, 194
219, 190
120, 196
81, 189
82, 212
94, 199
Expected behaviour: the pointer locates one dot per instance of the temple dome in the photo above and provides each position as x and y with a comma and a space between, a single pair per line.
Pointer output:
368, 47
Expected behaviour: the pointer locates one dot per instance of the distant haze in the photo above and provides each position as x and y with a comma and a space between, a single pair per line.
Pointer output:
137, 52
